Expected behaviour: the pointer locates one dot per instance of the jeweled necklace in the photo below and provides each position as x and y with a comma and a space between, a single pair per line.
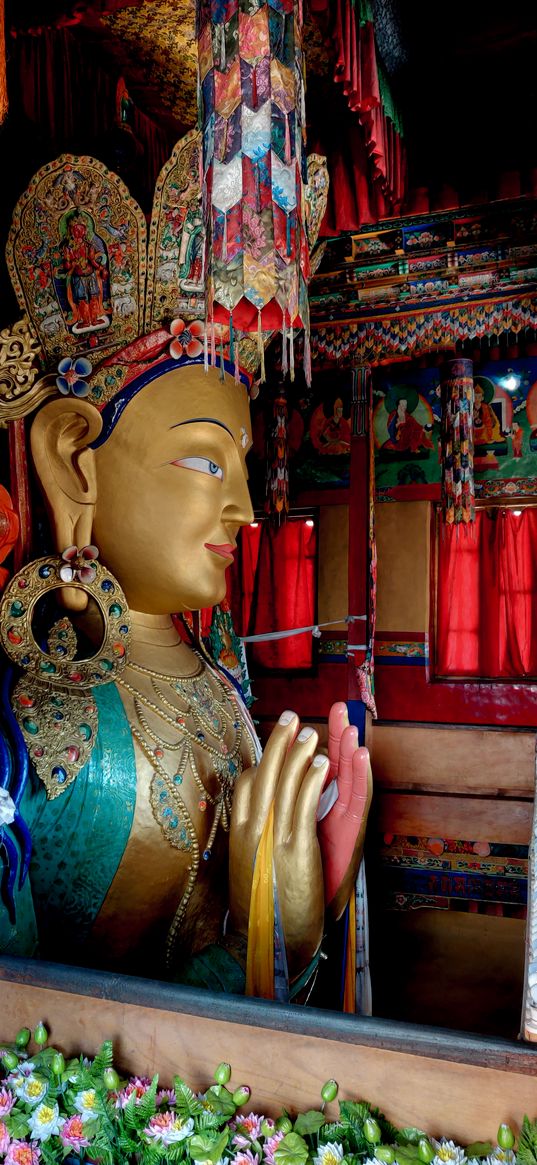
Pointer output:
214, 715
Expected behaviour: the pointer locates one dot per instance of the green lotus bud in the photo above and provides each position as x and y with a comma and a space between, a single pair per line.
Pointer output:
284, 1125
329, 1091
223, 1073
372, 1131
40, 1035
268, 1127
111, 1079
385, 1153
425, 1150
241, 1095
10, 1060
506, 1137
23, 1037
57, 1064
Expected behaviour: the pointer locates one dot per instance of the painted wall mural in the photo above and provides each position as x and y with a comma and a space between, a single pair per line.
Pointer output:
406, 423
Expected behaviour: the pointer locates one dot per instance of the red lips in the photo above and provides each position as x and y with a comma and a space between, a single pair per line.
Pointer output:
225, 549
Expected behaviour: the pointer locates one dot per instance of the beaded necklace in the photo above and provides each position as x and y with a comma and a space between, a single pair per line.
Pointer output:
212, 716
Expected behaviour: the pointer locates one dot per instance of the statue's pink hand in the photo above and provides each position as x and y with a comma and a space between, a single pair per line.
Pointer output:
341, 833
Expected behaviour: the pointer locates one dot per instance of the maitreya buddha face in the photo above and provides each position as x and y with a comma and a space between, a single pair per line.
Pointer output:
169, 487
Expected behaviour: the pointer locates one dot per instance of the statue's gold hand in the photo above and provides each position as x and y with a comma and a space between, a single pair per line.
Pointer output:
287, 776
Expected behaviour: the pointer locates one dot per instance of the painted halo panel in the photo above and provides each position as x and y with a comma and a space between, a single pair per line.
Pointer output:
175, 285
76, 255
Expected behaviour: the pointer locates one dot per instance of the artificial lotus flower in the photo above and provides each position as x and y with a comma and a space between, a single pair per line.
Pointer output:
245, 1157
5, 1139
45, 1122
87, 1103
22, 1153
33, 1089
248, 1129
78, 564
137, 1084
187, 339
270, 1146
166, 1128
165, 1096
72, 375
501, 1157
447, 1152
7, 1097
329, 1154
72, 1134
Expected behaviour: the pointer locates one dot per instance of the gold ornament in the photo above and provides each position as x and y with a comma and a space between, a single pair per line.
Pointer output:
20, 389
42, 576
52, 702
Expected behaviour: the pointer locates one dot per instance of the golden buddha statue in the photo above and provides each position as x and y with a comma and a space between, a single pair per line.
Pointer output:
143, 757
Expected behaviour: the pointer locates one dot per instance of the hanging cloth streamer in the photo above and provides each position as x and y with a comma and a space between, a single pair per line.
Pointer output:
3, 77
315, 628
260, 956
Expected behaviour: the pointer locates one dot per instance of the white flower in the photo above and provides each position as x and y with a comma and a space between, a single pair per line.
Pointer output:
33, 1089
45, 1122
329, 1154
86, 1104
7, 808
168, 1128
447, 1153
501, 1157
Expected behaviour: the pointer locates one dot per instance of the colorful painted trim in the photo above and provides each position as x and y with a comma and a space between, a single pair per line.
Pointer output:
450, 874
401, 649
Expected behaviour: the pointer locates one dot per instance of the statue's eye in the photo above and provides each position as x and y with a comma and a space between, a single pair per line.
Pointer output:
201, 465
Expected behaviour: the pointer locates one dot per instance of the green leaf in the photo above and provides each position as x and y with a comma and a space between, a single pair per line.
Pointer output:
292, 1150
221, 1101
206, 1120
208, 1146
147, 1105
527, 1145
104, 1059
479, 1149
17, 1125
409, 1136
309, 1122
187, 1104
129, 1112
354, 1110
127, 1144
406, 1153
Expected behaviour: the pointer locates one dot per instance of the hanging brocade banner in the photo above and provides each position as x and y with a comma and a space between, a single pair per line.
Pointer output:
3, 76
277, 480
458, 496
251, 98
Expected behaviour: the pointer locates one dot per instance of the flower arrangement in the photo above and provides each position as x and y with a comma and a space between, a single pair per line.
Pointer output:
54, 1111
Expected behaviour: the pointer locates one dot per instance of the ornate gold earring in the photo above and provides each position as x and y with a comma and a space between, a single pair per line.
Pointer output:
53, 702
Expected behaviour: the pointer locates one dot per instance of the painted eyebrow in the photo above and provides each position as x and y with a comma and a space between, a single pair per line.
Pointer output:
205, 420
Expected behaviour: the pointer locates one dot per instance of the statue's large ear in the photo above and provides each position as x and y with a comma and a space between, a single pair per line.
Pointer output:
60, 438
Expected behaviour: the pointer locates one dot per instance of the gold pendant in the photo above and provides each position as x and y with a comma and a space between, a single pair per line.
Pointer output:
59, 728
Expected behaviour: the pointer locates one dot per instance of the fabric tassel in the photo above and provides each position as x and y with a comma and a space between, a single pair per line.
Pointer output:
306, 360
291, 353
224, 238
285, 362
260, 347
288, 231
223, 151
287, 140
222, 48
254, 88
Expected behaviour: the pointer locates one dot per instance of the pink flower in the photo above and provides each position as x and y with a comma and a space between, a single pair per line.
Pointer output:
4, 1139
186, 339
248, 1129
166, 1128
245, 1157
166, 1096
78, 564
22, 1153
7, 1100
270, 1146
138, 1084
72, 1134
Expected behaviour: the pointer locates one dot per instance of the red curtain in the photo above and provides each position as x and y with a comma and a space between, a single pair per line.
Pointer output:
273, 589
487, 596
